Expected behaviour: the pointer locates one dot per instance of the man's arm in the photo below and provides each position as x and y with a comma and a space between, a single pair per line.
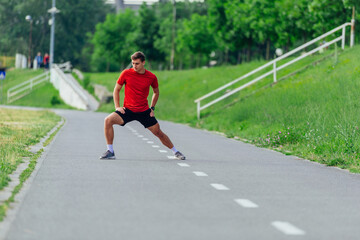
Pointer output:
154, 99
116, 97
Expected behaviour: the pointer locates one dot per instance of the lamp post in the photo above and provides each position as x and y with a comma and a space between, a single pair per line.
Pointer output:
53, 11
29, 19
352, 34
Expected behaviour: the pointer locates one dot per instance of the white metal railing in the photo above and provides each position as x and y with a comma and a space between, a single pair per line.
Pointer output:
65, 67
59, 69
26, 87
276, 68
71, 93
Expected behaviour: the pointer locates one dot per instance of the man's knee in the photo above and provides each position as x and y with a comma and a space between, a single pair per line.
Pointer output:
108, 121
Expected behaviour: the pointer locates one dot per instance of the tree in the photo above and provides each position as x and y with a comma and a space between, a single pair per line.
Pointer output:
76, 18
328, 14
221, 26
114, 39
196, 36
264, 20
241, 33
147, 33
294, 22
15, 29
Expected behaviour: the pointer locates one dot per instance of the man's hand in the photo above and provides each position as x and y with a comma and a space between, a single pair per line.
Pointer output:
152, 114
121, 109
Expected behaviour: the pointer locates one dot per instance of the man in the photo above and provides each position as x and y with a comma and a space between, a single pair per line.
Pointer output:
39, 60
137, 81
46, 61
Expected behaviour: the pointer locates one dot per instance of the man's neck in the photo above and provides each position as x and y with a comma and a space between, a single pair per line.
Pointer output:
142, 71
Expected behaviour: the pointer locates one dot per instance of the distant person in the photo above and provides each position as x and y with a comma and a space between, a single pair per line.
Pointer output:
137, 81
39, 60
46, 61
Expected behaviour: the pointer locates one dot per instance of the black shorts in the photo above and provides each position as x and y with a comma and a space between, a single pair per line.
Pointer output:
143, 117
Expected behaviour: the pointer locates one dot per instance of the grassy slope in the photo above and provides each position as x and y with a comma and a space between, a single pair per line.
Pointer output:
17, 133
40, 97
311, 114
179, 89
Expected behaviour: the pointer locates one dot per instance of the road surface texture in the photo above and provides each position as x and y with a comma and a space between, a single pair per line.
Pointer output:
225, 190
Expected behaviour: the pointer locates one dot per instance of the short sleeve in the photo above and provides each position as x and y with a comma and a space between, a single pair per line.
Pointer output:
121, 79
155, 83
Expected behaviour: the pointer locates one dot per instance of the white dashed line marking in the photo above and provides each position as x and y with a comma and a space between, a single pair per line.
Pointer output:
151, 142
200, 174
145, 139
140, 136
246, 203
218, 186
163, 151
155, 146
171, 157
183, 165
287, 228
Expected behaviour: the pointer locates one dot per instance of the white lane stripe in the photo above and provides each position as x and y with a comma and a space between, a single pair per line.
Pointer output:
287, 228
140, 136
145, 139
151, 142
183, 165
171, 157
163, 151
218, 186
246, 203
200, 174
155, 146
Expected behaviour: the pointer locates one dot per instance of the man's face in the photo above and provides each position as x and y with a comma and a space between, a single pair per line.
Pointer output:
138, 65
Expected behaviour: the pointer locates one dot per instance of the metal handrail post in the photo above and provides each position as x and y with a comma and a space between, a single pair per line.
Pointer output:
343, 38
274, 69
198, 110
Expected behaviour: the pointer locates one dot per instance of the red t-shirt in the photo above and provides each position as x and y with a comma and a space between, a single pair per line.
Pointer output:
137, 88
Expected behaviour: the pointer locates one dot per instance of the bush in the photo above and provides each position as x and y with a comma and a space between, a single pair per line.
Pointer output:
55, 100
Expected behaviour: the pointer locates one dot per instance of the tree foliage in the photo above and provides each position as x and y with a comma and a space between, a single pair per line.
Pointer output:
235, 30
75, 19
113, 39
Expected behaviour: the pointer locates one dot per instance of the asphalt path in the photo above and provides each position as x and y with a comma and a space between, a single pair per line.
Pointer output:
225, 189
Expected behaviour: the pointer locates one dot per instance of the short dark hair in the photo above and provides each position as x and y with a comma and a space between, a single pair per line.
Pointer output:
138, 55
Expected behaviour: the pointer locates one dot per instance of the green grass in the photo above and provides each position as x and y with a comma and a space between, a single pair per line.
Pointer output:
18, 131
181, 88
44, 95
17, 76
312, 114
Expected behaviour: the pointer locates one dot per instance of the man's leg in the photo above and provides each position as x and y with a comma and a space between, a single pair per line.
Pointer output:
161, 135
155, 129
109, 122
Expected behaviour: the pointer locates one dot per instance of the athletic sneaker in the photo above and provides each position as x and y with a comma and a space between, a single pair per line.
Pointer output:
179, 155
108, 155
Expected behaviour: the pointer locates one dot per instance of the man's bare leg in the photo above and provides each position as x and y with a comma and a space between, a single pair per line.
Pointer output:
109, 122
165, 140
161, 135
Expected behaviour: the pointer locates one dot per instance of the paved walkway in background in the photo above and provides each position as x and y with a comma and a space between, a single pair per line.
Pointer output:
225, 190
